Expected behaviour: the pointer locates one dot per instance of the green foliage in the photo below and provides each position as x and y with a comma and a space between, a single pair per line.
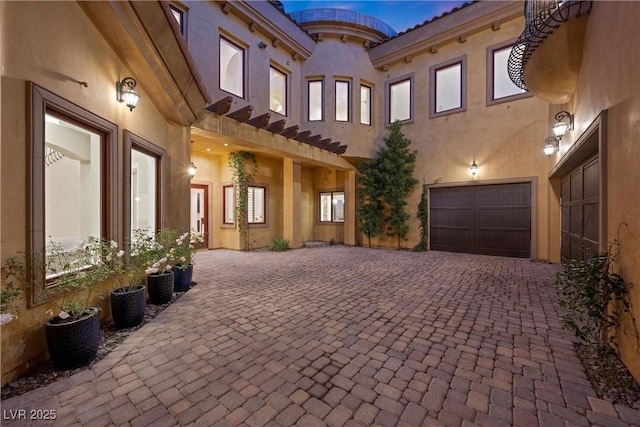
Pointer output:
395, 165
423, 216
243, 176
593, 296
279, 245
369, 199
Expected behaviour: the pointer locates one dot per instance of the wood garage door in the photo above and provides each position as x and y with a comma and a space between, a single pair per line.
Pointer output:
486, 219
580, 211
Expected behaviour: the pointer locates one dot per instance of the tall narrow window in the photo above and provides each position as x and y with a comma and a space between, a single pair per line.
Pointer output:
332, 206
400, 101
144, 189
231, 67
256, 205
315, 100
73, 190
448, 87
342, 101
229, 204
180, 16
500, 88
73, 183
277, 91
365, 105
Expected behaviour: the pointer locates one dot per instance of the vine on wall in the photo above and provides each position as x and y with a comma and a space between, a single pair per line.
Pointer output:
244, 167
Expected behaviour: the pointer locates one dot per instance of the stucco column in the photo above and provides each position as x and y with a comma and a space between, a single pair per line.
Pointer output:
291, 202
350, 207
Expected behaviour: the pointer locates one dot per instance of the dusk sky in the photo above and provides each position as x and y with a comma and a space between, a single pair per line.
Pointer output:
399, 14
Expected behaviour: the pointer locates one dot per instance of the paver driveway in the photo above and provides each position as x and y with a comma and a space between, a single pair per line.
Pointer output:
343, 336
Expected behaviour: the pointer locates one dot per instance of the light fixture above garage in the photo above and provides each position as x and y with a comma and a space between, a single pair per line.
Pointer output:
561, 127
125, 92
474, 168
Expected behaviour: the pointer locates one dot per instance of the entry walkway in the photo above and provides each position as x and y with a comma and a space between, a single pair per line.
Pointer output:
343, 336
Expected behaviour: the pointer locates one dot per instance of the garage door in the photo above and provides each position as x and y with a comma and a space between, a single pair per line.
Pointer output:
580, 211
483, 219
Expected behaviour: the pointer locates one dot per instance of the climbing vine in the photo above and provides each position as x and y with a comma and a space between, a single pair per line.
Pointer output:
243, 175
423, 216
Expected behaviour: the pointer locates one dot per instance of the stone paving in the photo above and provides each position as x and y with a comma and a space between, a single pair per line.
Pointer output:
342, 336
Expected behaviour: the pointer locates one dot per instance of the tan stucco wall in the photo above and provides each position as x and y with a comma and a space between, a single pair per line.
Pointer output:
608, 80
206, 24
333, 60
504, 139
49, 58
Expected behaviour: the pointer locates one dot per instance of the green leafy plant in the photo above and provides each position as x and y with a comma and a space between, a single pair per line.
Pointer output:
423, 216
243, 176
594, 296
185, 248
369, 199
11, 294
279, 245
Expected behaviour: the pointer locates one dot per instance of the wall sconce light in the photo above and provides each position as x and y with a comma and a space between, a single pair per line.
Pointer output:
474, 168
125, 92
262, 45
561, 127
192, 170
551, 145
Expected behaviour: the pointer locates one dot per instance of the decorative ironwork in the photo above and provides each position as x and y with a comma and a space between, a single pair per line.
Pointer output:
542, 17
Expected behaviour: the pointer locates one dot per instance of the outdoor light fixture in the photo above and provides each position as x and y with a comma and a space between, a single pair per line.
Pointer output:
561, 127
192, 170
474, 168
551, 145
125, 92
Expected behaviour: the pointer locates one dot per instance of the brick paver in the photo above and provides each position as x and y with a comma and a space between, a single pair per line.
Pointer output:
342, 336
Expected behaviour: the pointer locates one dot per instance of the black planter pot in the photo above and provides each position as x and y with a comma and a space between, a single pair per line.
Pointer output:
160, 287
182, 278
128, 307
73, 344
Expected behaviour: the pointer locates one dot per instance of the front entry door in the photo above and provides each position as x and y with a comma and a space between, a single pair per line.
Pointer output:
200, 211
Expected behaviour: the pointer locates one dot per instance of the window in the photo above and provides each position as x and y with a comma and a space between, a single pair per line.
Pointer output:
256, 205
231, 67
229, 204
180, 16
315, 100
500, 88
400, 98
277, 91
143, 194
73, 181
365, 105
448, 87
342, 101
332, 206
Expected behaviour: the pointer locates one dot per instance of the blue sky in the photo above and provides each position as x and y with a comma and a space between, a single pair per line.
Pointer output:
399, 14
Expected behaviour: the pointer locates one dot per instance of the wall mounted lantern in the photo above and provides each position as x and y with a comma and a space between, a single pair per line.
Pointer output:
551, 145
125, 92
561, 127
192, 170
474, 168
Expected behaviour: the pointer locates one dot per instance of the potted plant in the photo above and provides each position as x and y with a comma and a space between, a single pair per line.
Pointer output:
159, 274
72, 276
184, 251
128, 300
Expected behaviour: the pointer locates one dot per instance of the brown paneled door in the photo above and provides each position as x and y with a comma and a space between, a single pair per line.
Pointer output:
482, 219
200, 211
580, 211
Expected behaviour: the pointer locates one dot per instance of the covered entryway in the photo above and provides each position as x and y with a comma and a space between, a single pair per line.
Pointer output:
483, 219
580, 211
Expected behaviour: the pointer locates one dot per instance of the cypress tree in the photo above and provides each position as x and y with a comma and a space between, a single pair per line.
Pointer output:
395, 164
369, 203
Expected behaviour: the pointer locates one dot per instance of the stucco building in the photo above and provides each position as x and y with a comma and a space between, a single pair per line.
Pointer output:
309, 94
